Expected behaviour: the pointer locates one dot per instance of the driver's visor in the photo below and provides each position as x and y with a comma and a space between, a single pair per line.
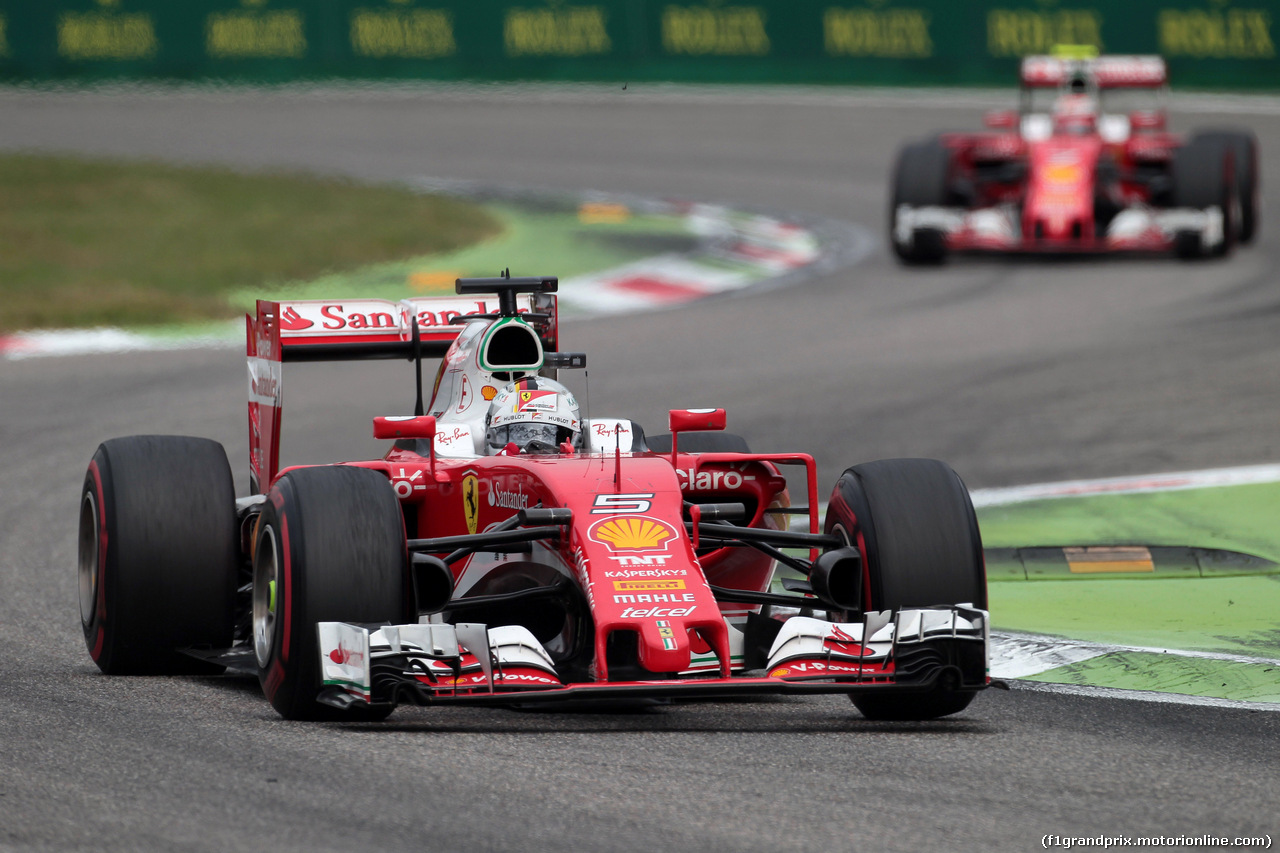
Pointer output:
524, 433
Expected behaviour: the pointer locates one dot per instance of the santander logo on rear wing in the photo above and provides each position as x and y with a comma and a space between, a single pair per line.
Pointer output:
303, 321
1108, 71
354, 329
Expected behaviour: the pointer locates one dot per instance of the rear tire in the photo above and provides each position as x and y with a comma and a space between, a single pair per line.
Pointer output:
915, 526
919, 180
158, 554
330, 547
1244, 149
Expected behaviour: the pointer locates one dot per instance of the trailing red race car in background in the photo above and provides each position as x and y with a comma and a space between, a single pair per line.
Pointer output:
1086, 165
461, 569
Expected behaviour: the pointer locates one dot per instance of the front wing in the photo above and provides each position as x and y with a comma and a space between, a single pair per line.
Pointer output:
998, 229
427, 664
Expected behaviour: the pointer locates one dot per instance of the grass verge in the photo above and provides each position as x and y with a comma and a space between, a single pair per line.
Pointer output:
1235, 518
1225, 615
555, 242
95, 242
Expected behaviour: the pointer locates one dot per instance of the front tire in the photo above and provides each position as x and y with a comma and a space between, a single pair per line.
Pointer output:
919, 180
914, 524
330, 547
1244, 149
158, 554
1204, 176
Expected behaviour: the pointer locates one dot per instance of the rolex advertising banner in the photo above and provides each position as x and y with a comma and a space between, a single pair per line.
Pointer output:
1219, 44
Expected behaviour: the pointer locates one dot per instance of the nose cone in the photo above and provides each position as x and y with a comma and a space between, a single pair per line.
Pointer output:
664, 646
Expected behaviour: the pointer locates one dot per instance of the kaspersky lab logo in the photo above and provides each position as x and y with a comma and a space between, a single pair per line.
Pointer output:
632, 533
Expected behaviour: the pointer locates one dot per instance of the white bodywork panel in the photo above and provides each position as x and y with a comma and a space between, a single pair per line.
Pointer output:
346, 651
873, 638
610, 435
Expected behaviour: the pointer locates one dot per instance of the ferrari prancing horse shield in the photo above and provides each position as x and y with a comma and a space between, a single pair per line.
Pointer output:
471, 501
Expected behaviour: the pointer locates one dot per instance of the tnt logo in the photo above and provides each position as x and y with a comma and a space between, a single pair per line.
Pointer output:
649, 561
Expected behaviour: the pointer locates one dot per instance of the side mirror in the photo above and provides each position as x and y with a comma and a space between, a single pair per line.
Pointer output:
423, 426
685, 420
1000, 119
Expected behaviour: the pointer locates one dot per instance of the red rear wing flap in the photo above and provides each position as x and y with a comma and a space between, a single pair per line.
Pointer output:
1108, 71
353, 329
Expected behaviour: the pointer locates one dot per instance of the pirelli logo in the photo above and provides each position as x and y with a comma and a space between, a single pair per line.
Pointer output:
646, 586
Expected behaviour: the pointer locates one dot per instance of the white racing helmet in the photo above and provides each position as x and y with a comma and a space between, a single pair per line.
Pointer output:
535, 414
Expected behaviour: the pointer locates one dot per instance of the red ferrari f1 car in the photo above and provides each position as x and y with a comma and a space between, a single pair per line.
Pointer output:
1087, 165
506, 551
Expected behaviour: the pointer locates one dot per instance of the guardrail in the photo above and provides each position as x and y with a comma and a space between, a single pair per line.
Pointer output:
1228, 44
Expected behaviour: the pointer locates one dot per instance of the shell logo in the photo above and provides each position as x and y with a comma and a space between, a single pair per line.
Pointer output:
1063, 173
632, 533
780, 672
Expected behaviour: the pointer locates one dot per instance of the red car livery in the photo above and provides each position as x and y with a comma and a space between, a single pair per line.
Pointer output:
1086, 165
631, 566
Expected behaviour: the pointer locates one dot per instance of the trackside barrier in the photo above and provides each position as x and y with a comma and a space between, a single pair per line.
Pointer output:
1229, 44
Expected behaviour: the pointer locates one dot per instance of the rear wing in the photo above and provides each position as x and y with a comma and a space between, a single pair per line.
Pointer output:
1107, 71
300, 330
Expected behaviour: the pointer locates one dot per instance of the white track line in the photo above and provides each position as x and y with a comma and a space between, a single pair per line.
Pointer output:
1142, 696
1016, 655
1171, 482
612, 92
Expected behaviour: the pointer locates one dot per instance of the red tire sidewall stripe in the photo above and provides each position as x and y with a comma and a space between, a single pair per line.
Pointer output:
101, 604
274, 677
288, 588
849, 519
866, 570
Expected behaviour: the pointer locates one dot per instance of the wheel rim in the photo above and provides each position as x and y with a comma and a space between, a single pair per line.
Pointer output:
838, 528
89, 558
266, 574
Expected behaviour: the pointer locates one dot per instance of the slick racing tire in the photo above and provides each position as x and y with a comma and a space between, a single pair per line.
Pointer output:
700, 442
1244, 149
1204, 176
914, 524
920, 180
330, 547
158, 554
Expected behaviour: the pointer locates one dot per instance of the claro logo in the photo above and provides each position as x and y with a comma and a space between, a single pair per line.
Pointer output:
709, 480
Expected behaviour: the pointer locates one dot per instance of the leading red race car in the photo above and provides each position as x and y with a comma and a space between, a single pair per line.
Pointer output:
1087, 165
504, 551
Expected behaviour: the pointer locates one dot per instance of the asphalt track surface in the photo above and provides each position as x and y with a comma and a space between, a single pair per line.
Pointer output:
1013, 371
